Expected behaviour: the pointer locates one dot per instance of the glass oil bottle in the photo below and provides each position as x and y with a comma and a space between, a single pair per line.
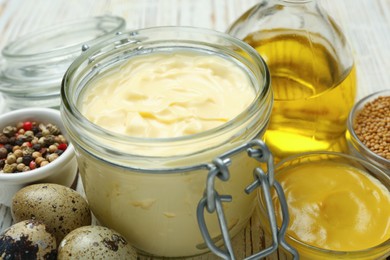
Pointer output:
312, 73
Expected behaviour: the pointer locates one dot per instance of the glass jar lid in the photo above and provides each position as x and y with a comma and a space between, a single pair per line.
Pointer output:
37, 61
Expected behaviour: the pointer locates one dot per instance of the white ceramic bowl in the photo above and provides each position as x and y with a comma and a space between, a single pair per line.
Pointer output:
62, 171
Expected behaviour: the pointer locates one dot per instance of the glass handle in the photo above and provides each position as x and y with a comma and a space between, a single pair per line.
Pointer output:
212, 201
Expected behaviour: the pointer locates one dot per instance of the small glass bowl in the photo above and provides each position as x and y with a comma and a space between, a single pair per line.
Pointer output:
33, 65
357, 147
305, 250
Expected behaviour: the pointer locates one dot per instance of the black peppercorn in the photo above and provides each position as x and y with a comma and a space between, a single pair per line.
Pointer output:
8, 147
27, 159
36, 147
3, 139
2, 163
19, 141
12, 140
3, 153
35, 130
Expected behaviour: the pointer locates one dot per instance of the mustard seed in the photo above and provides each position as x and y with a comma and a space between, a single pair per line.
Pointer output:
372, 126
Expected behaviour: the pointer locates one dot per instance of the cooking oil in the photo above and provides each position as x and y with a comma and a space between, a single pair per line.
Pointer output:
313, 93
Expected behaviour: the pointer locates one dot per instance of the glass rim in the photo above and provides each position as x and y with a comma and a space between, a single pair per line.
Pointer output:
264, 90
10, 51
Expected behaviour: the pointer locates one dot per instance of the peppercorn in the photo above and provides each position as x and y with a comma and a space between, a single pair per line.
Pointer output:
43, 151
20, 167
3, 152
62, 146
9, 168
19, 141
11, 158
32, 165
19, 159
9, 131
43, 163
27, 150
29, 145
8, 147
27, 159
49, 140
52, 157
36, 154
35, 130
16, 147
3, 139
12, 140
2, 163
18, 153
45, 132
27, 125
53, 129
53, 148
19, 125
29, 133
36, 147
39, 160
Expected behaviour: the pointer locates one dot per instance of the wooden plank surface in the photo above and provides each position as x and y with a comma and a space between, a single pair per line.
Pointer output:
366, 24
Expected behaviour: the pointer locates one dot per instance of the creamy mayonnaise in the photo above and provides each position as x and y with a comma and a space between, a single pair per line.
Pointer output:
162, 95
168, 95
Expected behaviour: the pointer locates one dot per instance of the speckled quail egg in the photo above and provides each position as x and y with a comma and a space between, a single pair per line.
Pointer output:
27, 239
60, 208
95, 242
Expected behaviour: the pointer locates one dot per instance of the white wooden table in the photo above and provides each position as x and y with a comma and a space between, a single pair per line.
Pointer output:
366, 24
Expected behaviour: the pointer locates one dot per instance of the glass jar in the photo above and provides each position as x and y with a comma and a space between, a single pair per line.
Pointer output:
356, 146
33, 65
149, 188
290, 169
312, 71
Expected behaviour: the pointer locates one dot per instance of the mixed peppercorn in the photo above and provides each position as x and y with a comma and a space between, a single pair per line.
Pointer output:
30, 145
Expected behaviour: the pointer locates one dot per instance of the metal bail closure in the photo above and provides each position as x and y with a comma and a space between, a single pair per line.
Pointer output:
212, 201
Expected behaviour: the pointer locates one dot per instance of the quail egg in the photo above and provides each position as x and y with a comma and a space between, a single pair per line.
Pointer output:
95, 242
60, 208
27, 239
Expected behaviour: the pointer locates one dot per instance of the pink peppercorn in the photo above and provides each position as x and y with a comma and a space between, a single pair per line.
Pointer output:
62, 147
28, 144
27, 125
32, 165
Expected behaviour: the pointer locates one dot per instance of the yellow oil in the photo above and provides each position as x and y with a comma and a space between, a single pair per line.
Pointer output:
313, 93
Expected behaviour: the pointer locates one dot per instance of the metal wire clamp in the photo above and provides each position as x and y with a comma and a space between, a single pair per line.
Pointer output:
212, 201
